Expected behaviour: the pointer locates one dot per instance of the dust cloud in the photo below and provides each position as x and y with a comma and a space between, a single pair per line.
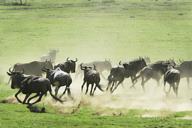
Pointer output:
125, 98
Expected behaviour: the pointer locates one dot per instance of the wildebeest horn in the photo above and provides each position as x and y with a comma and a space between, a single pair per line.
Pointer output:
119, 62
67, 59
10, 70
76, 60
81, 65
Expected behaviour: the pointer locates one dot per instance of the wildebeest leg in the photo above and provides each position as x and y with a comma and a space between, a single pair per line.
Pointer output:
167, 92
113, 83
39, 99
143, 83
109, 84
26, 96
133, 79
82, 86
188, 81
16, 96
117, 85
87, 88
69, 93
28, 101
56, 90
176, 89
63, 92
94, 89
91, 91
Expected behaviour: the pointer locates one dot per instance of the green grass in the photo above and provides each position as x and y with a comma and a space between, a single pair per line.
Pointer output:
91, 30
17, 116
120, 30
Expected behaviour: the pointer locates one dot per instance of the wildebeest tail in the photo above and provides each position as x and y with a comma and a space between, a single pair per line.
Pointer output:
54, 97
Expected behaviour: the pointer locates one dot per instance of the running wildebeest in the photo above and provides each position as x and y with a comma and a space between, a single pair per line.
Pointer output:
51, 56
28, 85
154, 71
59, 78
101, 67
172, 76
185, 69
32, 68
91, 76
133, 67
117, 74
68, 66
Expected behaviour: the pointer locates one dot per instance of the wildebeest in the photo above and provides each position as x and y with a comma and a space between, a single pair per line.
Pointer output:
91, 76
32, 68
172, 76
185, 69
51, 56
68, 66
36, 109
28, 84
133, 67
101, 67
117, 74
59, 78
154, 71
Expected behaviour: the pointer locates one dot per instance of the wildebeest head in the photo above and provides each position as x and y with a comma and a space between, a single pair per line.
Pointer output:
71, 64
86, 68
16, 78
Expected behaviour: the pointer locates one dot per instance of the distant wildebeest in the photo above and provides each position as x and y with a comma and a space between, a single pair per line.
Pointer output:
68, 66
133, 67
117, 74
33, 68
51, 56
185, 69
101, 66
172, 76
154, 71
91, 76
59, 78
28, 85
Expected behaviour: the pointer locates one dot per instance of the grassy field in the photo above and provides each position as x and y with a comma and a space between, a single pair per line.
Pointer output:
92, 30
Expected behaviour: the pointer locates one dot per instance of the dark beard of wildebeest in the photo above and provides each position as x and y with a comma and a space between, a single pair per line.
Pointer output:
68, 66
116, 77
91, 76
28, 84
154, 71
101, 67
185, 69
133, 67
172, 76
59, 79
32, 68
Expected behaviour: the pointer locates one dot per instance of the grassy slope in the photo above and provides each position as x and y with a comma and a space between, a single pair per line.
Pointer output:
130, 28
77, 27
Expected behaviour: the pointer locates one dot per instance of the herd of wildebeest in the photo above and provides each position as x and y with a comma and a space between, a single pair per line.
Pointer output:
28, 78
